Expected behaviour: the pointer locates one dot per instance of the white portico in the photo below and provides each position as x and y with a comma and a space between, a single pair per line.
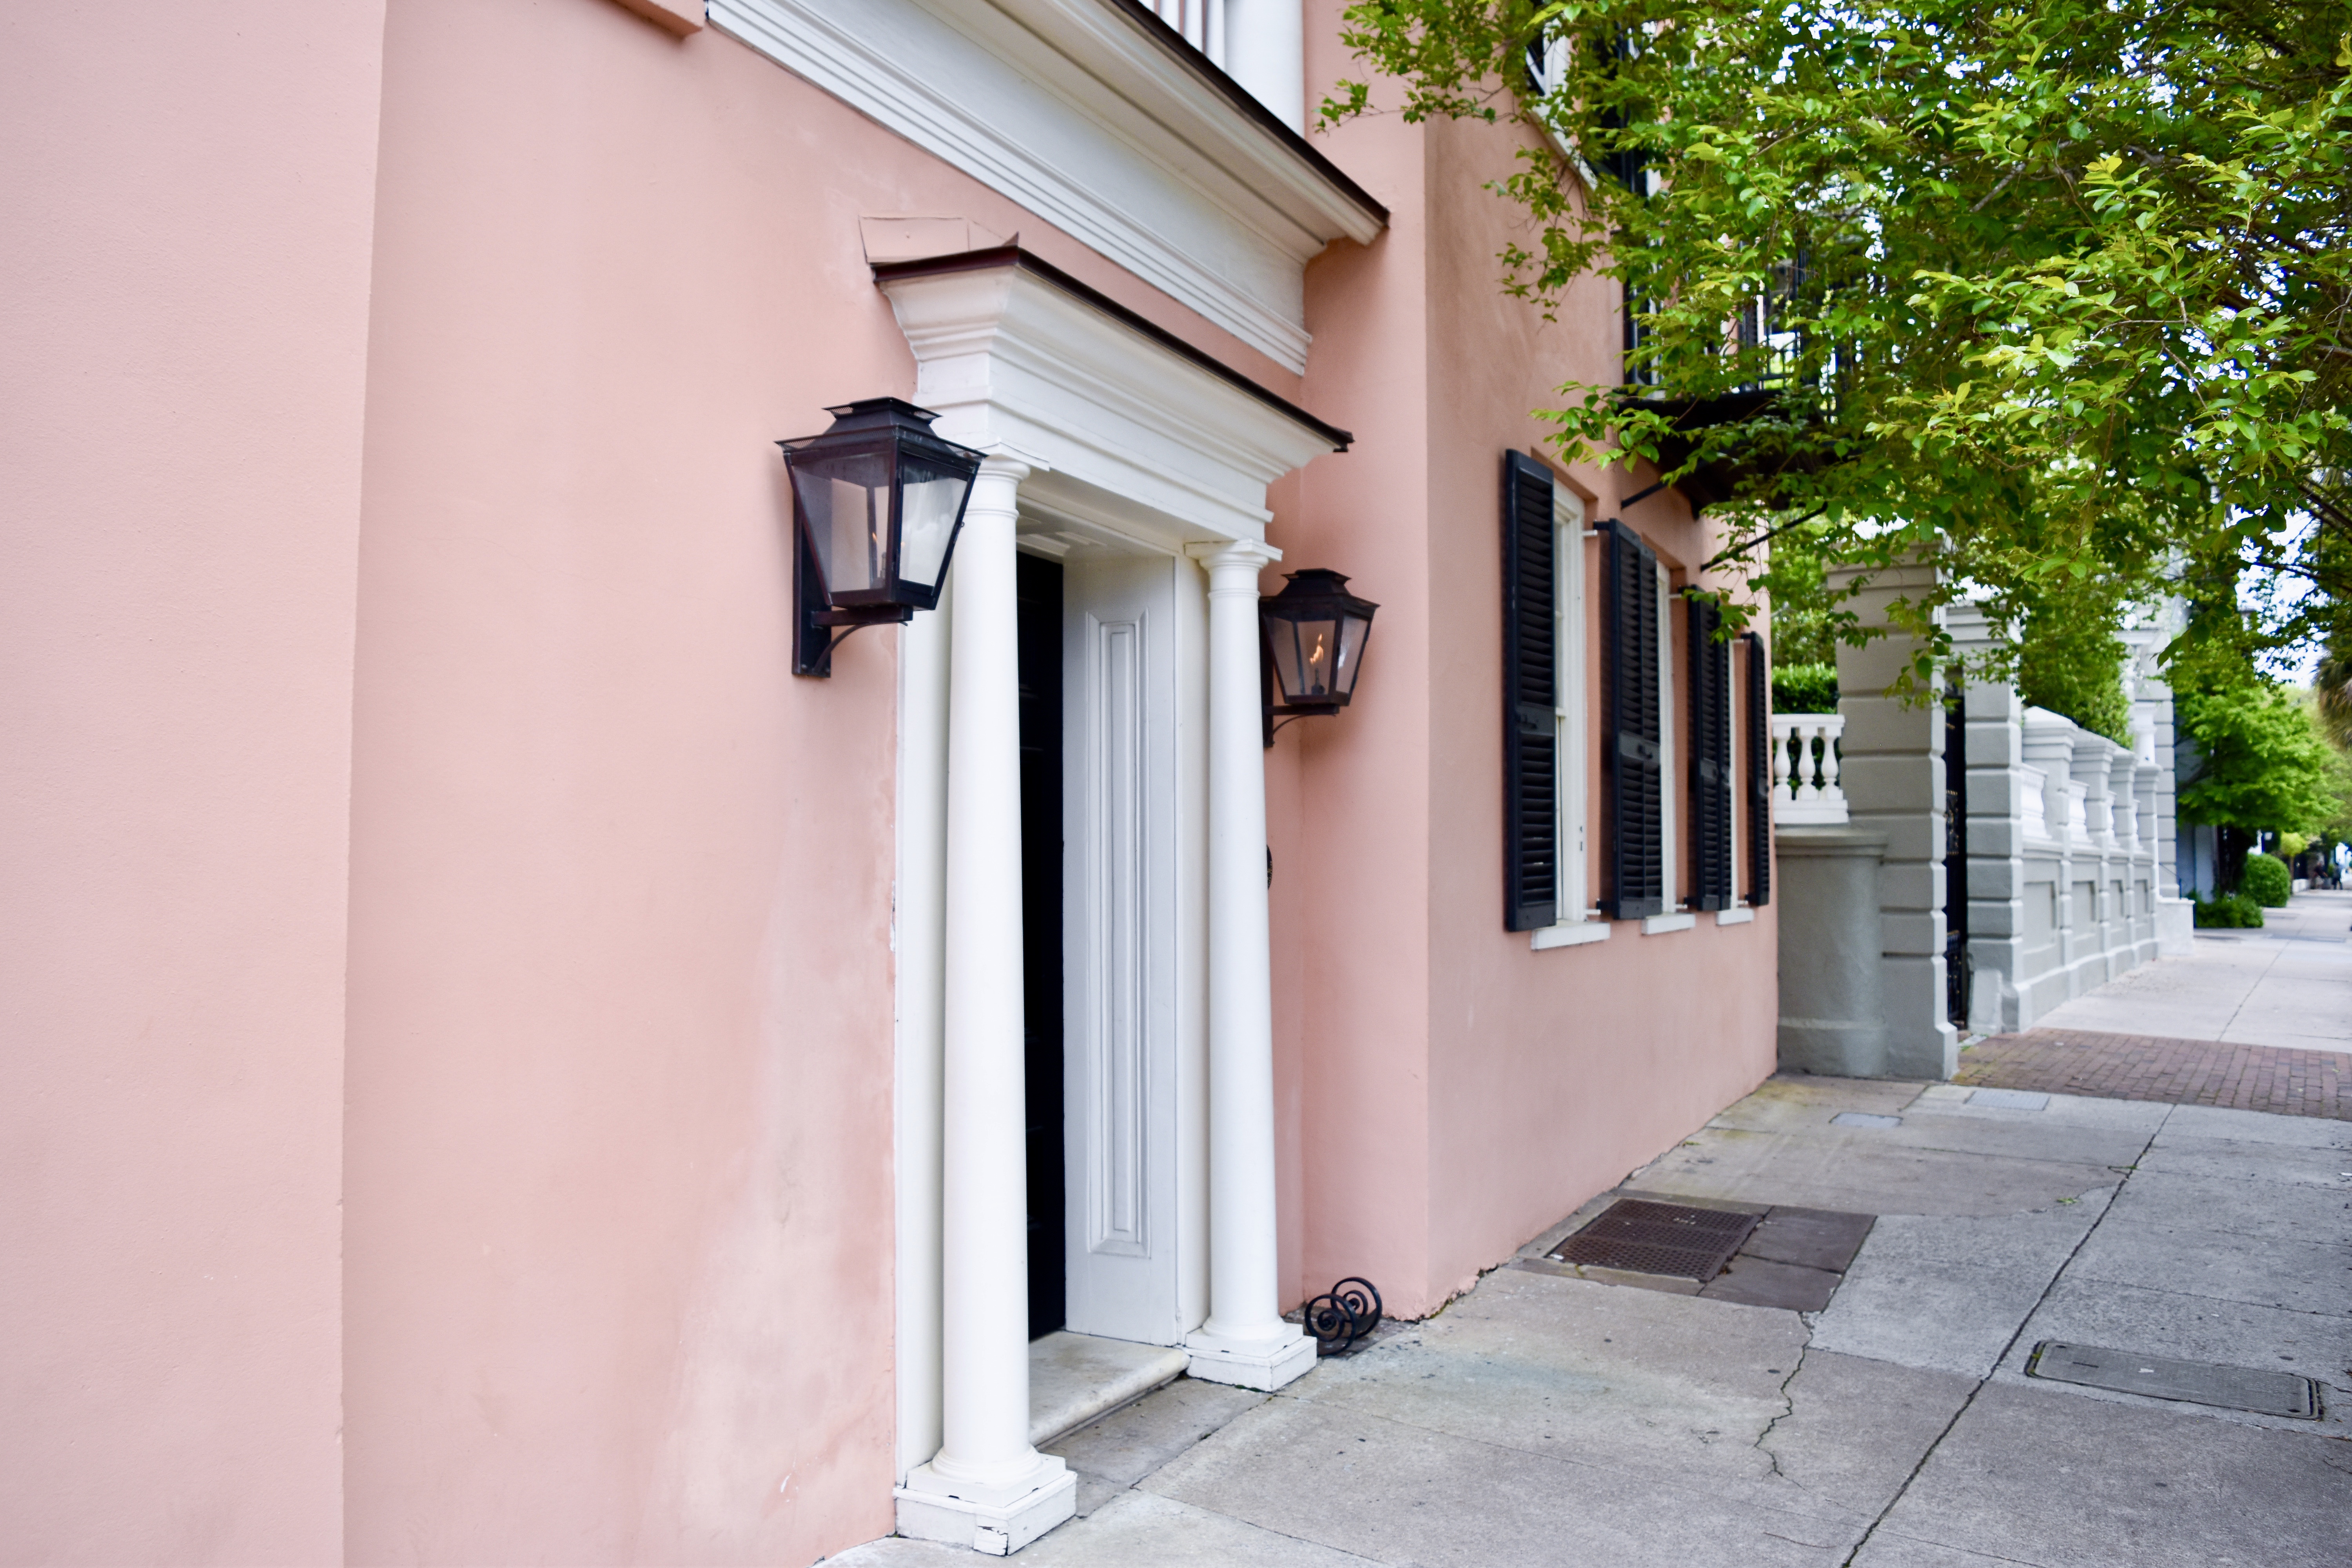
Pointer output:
1140, 466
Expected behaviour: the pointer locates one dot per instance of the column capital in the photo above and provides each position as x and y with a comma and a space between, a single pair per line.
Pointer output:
1006, 464
1253, 555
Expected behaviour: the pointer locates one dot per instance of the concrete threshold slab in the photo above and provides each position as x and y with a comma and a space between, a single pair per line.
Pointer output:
1073, 1378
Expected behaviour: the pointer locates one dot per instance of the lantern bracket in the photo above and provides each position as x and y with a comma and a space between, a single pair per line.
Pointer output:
817, 630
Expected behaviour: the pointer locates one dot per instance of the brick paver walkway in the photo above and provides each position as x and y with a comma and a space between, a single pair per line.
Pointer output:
2179, 1072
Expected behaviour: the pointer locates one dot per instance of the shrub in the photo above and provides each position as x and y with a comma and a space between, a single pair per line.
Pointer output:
1805, 688
2229, 911
2266, 880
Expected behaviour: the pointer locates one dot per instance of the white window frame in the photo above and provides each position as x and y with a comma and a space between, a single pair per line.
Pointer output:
1578, 923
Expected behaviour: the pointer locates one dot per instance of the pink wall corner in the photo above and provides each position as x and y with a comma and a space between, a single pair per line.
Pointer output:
186, 264
1352, 917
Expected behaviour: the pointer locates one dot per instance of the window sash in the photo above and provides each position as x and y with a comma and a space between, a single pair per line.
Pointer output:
1567, 565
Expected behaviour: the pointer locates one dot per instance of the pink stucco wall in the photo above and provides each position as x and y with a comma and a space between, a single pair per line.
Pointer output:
619, 1241
1456, 1091
184, 279
447, 963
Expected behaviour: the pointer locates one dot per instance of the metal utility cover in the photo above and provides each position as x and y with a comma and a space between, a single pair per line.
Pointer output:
1644, 1238
2195, 1381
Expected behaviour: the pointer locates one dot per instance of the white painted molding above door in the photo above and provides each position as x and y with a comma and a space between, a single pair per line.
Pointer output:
1100, 122
1128, 429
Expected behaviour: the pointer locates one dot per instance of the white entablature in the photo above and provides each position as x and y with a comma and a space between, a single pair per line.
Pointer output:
1101, 121
1125, 431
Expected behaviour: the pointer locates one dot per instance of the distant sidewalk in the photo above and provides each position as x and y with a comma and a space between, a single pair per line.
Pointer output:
2288, 985
2175, 1072
2256, 1020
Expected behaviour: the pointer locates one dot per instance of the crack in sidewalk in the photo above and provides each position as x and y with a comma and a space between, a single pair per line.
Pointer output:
1788, 1404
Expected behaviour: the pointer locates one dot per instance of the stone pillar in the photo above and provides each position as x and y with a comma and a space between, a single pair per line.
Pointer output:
2146, 778
1996, 833
1832, 1006
986, 1488
2049, 744
2154, 736
1244, 1340
1894, 777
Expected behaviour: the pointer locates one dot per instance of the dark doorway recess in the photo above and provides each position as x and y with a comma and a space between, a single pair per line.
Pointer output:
1039, 583
1959, 964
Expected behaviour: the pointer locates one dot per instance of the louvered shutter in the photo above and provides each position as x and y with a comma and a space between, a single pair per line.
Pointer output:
1530, 698
1710, 758
1637, 882
1759, 772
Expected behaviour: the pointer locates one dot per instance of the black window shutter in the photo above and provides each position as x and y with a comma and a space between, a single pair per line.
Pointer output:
1759, 772
1633, 729
1530, 698
1710, 760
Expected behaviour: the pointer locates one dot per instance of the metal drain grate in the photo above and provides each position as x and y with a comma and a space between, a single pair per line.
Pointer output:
1644, 1238
2196, 1382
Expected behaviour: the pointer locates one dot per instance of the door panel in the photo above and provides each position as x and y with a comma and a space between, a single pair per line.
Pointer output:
1121, 947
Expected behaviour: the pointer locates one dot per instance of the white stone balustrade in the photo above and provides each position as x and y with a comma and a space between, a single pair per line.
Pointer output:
1805, 790
2123, 810
2032, 800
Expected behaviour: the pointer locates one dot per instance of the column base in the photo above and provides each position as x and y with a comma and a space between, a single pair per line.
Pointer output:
988, 1521
1263, 1364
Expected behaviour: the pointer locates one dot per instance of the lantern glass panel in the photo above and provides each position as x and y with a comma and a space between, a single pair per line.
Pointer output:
1305, 657
845, 496
1344, 669
932, 497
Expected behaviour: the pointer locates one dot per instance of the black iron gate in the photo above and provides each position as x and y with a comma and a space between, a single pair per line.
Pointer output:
1960, 965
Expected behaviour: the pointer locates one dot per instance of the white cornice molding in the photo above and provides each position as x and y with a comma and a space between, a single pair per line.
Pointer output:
1123, 430
1076, 110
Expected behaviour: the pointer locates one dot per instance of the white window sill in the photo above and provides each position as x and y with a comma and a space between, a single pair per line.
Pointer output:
1573, 934
1738, 916
1658, 925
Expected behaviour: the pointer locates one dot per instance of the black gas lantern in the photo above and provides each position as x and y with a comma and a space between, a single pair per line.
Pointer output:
877, 500
1314, 631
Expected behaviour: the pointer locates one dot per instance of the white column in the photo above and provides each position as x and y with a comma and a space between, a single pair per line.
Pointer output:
1265, 52
986, 1488
1244, 1342
918, 915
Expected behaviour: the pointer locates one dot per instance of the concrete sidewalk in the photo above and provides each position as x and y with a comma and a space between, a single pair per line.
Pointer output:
2288, 984
1549, 1418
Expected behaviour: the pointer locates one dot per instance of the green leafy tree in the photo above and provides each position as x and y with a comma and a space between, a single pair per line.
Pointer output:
2048, 291
2262, 767
2071, 661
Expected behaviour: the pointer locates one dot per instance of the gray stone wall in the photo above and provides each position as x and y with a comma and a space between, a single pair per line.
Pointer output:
2071, 873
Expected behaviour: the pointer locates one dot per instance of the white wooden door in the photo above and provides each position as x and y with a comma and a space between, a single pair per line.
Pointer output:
1121, 944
